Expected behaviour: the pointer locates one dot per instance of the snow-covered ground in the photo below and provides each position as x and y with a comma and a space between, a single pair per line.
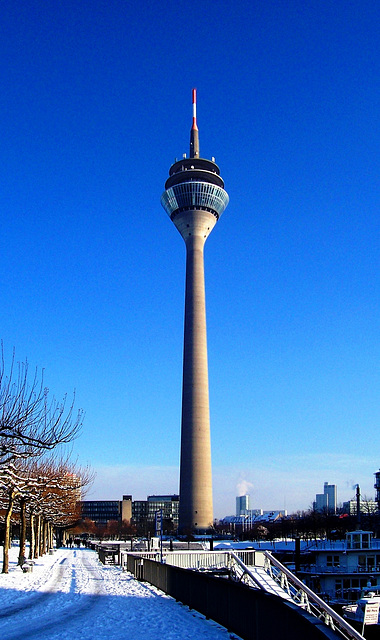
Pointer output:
70, 594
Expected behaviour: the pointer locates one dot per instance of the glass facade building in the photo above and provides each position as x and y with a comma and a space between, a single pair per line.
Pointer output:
101, 511
144, 511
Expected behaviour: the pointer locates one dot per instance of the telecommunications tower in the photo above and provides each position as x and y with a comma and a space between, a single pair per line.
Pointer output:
195, 198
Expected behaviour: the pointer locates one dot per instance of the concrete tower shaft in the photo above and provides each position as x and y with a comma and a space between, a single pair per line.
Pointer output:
195, 198
195, 507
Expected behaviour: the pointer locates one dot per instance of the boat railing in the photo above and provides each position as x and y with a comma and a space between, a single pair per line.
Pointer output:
341, 545
324, 568
339, 568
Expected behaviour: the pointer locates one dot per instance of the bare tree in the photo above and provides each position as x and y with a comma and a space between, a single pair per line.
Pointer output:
31, 421
57, 502
14, 479
48, 493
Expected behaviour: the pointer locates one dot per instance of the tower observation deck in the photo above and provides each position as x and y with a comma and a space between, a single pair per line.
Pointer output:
194, 198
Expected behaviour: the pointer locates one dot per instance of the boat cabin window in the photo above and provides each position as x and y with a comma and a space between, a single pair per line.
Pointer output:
332, 561
366, 563
351, 589
359, 540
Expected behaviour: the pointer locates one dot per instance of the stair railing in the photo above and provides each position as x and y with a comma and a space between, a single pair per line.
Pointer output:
299, 593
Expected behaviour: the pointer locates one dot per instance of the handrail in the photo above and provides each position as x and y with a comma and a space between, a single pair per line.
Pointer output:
246, 571
322, 607
295, 589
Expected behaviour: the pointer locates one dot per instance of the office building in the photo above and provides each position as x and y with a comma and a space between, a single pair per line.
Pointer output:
377, 487
366, 507
103, 511
242, 505
144, 512
326, 501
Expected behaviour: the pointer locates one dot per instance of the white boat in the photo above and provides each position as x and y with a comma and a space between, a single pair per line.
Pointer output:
356, 611
342, 571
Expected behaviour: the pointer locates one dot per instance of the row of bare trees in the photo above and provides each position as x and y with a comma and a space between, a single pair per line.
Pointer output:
113, 530
39, 487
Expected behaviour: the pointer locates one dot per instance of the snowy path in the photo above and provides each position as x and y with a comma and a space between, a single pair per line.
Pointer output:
70, 594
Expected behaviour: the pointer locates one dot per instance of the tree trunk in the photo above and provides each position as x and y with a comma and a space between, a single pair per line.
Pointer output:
45, 537
42, 536
32, 536
7, 537
21, 556
38, 537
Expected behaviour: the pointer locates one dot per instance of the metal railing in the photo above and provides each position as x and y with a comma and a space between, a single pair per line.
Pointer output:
197, 560
239, 572
299, 593
242, 567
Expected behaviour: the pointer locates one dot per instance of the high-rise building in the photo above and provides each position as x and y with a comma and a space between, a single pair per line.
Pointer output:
195, 198
242, 505
326, 501
377, 487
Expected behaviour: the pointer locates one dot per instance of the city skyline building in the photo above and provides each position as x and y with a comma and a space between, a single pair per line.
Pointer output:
137, 512
194, 198
144, 512
103, 511
242, 504
327, 500
366, 507
377, 487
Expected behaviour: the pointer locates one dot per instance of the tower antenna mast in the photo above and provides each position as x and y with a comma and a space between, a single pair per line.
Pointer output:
194, 134
195, 198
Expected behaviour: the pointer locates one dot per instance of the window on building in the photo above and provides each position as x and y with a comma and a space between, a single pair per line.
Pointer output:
339, 589
365, 540
361, 563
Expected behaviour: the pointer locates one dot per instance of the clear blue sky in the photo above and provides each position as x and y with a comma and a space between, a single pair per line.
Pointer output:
95, 106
